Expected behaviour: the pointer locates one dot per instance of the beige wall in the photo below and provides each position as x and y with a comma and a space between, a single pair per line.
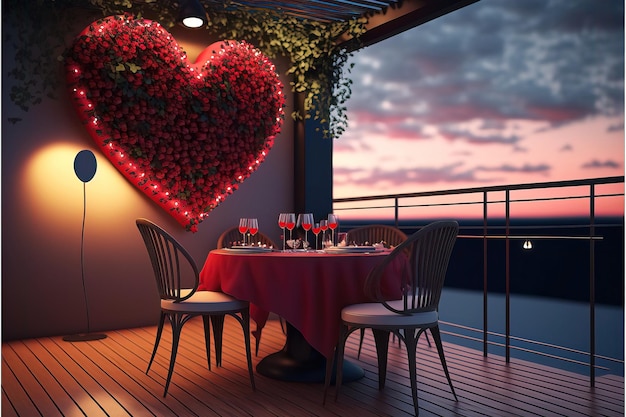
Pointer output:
42, 207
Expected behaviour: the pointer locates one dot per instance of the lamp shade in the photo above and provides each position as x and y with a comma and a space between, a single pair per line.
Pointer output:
192, 14
85, 165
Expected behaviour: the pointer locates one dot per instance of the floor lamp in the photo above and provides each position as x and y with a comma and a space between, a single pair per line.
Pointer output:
85, 168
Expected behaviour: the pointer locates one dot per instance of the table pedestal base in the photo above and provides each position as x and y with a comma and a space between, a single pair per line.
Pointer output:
299, 362
281, 365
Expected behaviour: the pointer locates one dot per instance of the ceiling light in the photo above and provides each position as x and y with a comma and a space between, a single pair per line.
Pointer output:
192, 14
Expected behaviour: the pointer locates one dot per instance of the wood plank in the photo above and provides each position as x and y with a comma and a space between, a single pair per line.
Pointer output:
132, 387
24, 368
192, 383
55, 398
83, 379
7, 409
81, 399
232, 358
16, 394
520, 390
198, 361
132, 353
431, 381
107, 377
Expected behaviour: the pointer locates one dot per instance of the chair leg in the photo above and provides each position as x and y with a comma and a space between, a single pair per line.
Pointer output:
341, 345
157, 340
257, 337
393, 339
177, 321
218, 330
410, 340
381, 338
245, 324
329, 370
207, 338
358, 355
437, 338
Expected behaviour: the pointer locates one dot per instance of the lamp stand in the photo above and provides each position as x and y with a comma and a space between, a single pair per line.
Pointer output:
84, 337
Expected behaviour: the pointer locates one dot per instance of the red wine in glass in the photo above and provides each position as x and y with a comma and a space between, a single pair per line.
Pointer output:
324, 227
333, 222
243, 229
316, 231
282, 223
253, 227
306, 221
290, 223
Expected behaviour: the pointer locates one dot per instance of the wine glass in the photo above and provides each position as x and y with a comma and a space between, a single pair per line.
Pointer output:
333, 222
253, 228
324, 227
282, 223
306, 222
290, 222
316, 231
243, 229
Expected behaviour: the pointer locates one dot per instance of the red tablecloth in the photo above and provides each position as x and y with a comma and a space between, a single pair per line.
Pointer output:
307, 289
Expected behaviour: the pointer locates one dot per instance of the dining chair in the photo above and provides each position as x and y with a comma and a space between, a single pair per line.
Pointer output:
376, 233
174, 268
226, 240
229, 236
391, 236
429, 251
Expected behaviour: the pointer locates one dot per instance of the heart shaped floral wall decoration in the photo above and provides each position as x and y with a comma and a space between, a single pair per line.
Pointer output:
185, 134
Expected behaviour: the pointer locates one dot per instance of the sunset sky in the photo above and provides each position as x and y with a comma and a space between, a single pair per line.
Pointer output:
499, 92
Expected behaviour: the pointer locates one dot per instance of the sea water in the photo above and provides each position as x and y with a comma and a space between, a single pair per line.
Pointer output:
552, 321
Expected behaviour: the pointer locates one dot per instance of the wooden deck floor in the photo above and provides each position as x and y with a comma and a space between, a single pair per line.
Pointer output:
51, 377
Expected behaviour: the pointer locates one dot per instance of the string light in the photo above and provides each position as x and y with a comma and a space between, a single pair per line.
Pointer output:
134, 172
527, 244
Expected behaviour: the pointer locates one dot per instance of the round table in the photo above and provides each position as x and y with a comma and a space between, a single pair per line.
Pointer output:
307, 289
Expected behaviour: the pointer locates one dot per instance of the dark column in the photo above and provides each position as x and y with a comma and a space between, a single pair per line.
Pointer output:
313, 170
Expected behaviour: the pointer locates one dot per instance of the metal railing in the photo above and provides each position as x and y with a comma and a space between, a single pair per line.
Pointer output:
405, 201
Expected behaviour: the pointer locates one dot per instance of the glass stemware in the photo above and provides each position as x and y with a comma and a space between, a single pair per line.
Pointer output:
243, 229
324, 227
333, 223
282, 223
316, 231
253, 228
306, 222
291, 224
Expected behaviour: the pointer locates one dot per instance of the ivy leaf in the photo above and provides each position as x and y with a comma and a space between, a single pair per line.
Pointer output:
133, 68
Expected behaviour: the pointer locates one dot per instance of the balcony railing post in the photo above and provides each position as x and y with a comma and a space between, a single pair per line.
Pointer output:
508, 280
592, 289
396, 210
485, 328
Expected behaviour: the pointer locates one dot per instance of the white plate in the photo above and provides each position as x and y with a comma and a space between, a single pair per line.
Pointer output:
249, 249
350, 249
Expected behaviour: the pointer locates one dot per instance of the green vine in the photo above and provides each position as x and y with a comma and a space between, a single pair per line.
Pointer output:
318, 61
